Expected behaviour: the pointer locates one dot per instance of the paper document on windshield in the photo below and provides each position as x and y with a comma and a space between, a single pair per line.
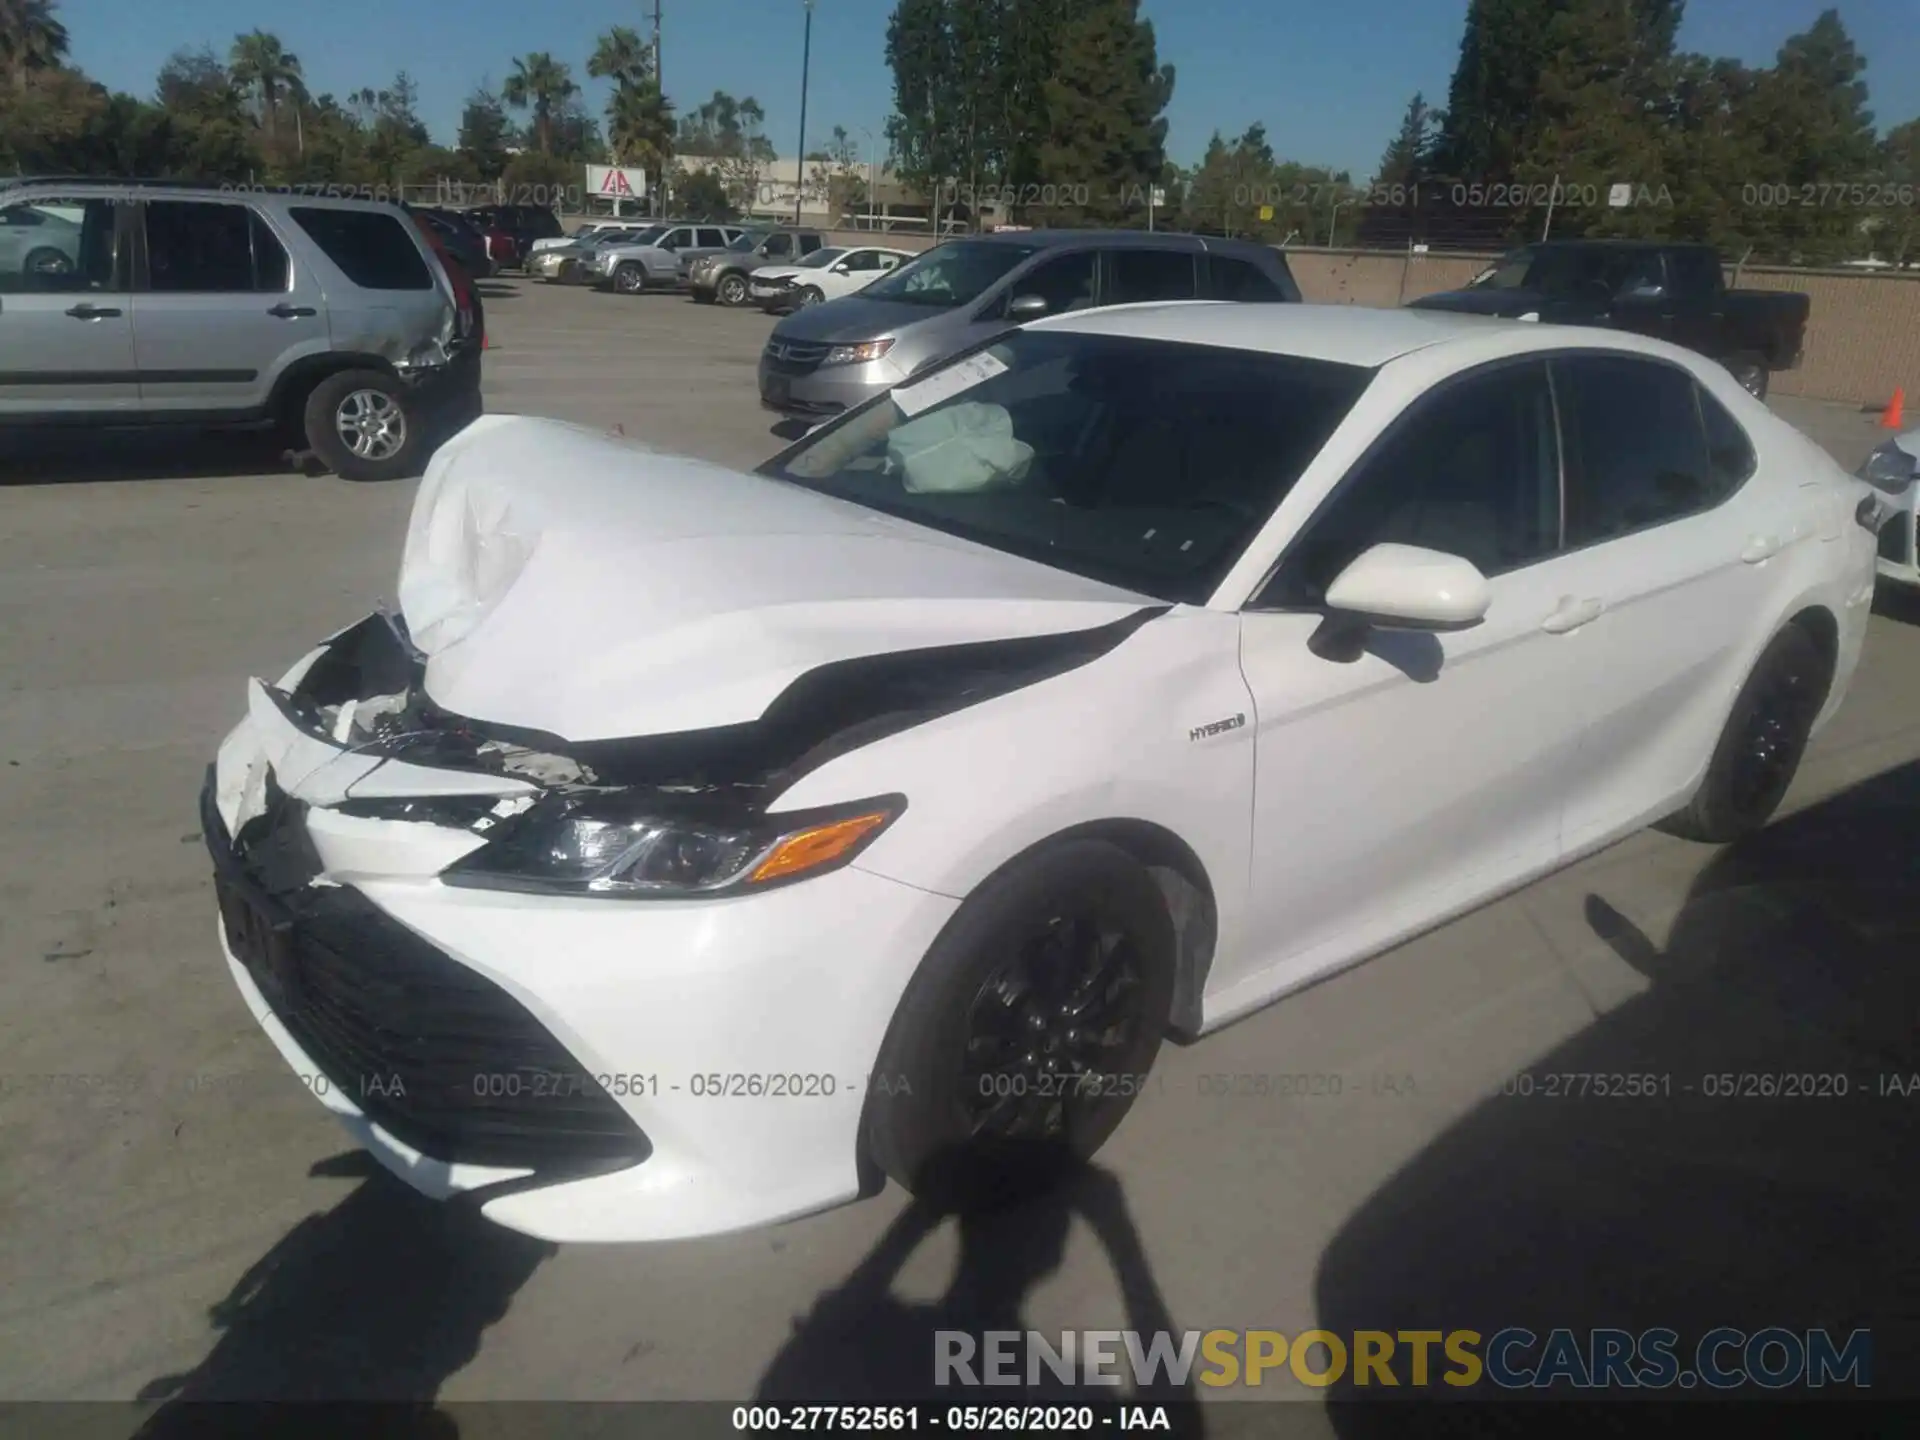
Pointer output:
960, 376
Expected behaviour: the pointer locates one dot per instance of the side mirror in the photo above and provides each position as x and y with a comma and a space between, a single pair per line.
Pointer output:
1891, 469
1026, 307
1399, 587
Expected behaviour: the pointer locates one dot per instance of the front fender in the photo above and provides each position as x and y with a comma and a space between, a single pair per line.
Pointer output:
1112, 740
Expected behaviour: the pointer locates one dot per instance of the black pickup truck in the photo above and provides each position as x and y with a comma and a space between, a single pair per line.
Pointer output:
1672, 292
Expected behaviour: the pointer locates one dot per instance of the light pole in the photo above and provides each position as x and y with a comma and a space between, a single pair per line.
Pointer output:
800, 162
1333, 218
872, 145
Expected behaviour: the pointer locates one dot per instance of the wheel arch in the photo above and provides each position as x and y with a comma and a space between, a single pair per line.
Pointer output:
287, 402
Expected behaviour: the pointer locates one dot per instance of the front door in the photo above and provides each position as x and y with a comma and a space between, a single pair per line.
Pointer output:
1408, 783
66, 328
220, 309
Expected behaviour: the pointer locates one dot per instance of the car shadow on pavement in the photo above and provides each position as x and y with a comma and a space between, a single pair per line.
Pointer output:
860, 1344
66, 457
381, 1298
1718, 1202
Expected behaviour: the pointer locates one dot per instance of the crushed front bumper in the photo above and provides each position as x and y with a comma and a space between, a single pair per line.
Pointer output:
583, 1068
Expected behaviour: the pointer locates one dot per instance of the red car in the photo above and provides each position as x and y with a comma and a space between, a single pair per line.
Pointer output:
502, 249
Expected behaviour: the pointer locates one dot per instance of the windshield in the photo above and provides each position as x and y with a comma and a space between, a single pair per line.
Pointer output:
952, 274
629, 237
748, 241
819, 258
1143, 463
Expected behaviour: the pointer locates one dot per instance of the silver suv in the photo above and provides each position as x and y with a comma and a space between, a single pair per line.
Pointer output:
137, 303
661, 261
832, 357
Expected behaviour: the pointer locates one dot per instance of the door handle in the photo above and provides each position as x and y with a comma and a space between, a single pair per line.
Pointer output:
292, 312
92, 312
1571, 615
1760, 547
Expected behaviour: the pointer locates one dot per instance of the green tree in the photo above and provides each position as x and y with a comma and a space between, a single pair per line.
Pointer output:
31, 39
1409, 158
1898, 225
702, 195
544, 85
265, 68
485, 133
213, 136
1495, 84
1812, 126
1106, 127
640, 123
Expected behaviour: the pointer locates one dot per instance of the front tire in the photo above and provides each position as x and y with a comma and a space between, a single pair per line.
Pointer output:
1760, 750
733, 291
630, 278
1027, 1033
809, 295
364, 426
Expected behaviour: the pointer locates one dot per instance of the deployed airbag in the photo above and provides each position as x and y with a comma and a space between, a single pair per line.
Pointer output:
963, 448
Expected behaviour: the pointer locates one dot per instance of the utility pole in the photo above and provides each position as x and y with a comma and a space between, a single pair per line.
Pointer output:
800, 155
660, 83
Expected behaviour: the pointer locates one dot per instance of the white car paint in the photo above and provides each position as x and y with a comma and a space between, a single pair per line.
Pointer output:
843, 277
571, 584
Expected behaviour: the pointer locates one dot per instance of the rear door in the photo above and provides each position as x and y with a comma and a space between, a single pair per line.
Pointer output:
386, 294
1138, 273
66, 331
1670, 554
219, 308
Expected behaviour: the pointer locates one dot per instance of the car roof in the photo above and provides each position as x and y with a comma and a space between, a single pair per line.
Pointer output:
123, 188
1341, 334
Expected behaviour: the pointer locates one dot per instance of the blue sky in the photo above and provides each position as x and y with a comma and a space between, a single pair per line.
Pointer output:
1328, 77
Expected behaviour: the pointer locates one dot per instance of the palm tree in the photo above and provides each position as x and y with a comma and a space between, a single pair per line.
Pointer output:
263, 65
544, 83
30, 38
622, 57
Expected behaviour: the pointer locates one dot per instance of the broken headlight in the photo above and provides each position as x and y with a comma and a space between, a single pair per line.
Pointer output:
624, 844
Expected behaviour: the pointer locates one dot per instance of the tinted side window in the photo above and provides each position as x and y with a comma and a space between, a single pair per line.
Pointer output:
196, 247
372, 249
810, 243
1149, 275
1473, 471
777, 245
271, 267
1065, 283
1695, 272
1230, 279
711, 240
57, 245
1729, 451
544, 223
1637, 449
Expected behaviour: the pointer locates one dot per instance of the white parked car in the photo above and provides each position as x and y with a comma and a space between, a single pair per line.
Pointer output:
694, 848
824, 275
1892, 468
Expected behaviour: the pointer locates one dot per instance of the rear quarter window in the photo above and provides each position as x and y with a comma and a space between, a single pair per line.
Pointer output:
371, 248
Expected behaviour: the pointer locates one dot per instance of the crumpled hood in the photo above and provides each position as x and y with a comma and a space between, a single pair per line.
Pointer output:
569, 582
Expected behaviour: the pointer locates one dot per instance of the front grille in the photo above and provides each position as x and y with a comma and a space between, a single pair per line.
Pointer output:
795, 357
440, 1057
1897, 539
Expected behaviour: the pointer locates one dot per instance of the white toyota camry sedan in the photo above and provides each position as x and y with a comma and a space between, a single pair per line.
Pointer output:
693, 849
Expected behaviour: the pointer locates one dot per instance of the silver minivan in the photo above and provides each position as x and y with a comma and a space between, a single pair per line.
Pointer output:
832, 357
135, 303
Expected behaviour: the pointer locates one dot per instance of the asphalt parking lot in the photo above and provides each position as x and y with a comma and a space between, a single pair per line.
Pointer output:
179, 1219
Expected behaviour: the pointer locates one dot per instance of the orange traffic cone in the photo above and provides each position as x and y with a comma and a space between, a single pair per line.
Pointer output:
1891, 419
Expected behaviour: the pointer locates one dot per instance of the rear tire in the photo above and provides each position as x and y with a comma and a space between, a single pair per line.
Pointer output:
364, 425
1760, 749
1055, 977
